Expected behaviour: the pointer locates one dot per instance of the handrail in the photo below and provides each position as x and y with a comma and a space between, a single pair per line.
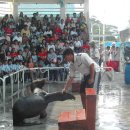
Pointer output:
98, 76
101, 69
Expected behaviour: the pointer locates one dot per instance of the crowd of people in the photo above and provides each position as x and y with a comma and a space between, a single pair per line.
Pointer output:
40, 42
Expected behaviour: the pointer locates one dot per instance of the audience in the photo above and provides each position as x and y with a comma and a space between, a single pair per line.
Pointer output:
39, 42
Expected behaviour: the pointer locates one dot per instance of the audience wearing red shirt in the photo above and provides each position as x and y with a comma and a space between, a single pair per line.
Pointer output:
42, 54
13, 53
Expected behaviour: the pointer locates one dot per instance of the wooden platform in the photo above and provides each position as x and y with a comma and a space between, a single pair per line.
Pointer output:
80, 119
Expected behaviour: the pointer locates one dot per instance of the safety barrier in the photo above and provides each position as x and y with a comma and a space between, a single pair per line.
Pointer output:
9, 79
100, 72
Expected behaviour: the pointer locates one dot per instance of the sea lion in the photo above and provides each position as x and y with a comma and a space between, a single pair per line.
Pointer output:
34, 105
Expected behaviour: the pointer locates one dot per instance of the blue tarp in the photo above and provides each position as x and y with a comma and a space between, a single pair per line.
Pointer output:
127, 44
117, 44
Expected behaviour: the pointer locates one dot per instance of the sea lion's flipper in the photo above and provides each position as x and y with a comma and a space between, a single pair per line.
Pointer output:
58, 96
27, 124
17, 120
43, 114
19, 123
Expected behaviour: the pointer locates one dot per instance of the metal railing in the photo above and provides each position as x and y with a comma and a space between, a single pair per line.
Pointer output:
104, 72
8, 81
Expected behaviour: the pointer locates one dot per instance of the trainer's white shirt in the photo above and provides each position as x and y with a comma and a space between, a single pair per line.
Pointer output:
82, 62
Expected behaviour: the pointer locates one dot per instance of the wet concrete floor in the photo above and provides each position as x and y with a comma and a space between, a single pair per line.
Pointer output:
113, 105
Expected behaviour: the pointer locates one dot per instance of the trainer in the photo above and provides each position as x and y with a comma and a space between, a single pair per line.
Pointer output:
84, 64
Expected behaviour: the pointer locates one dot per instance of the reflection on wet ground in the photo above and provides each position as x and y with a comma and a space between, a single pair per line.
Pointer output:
112, 109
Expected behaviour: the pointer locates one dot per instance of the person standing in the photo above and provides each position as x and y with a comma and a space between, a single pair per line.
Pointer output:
94, 52
83, 63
